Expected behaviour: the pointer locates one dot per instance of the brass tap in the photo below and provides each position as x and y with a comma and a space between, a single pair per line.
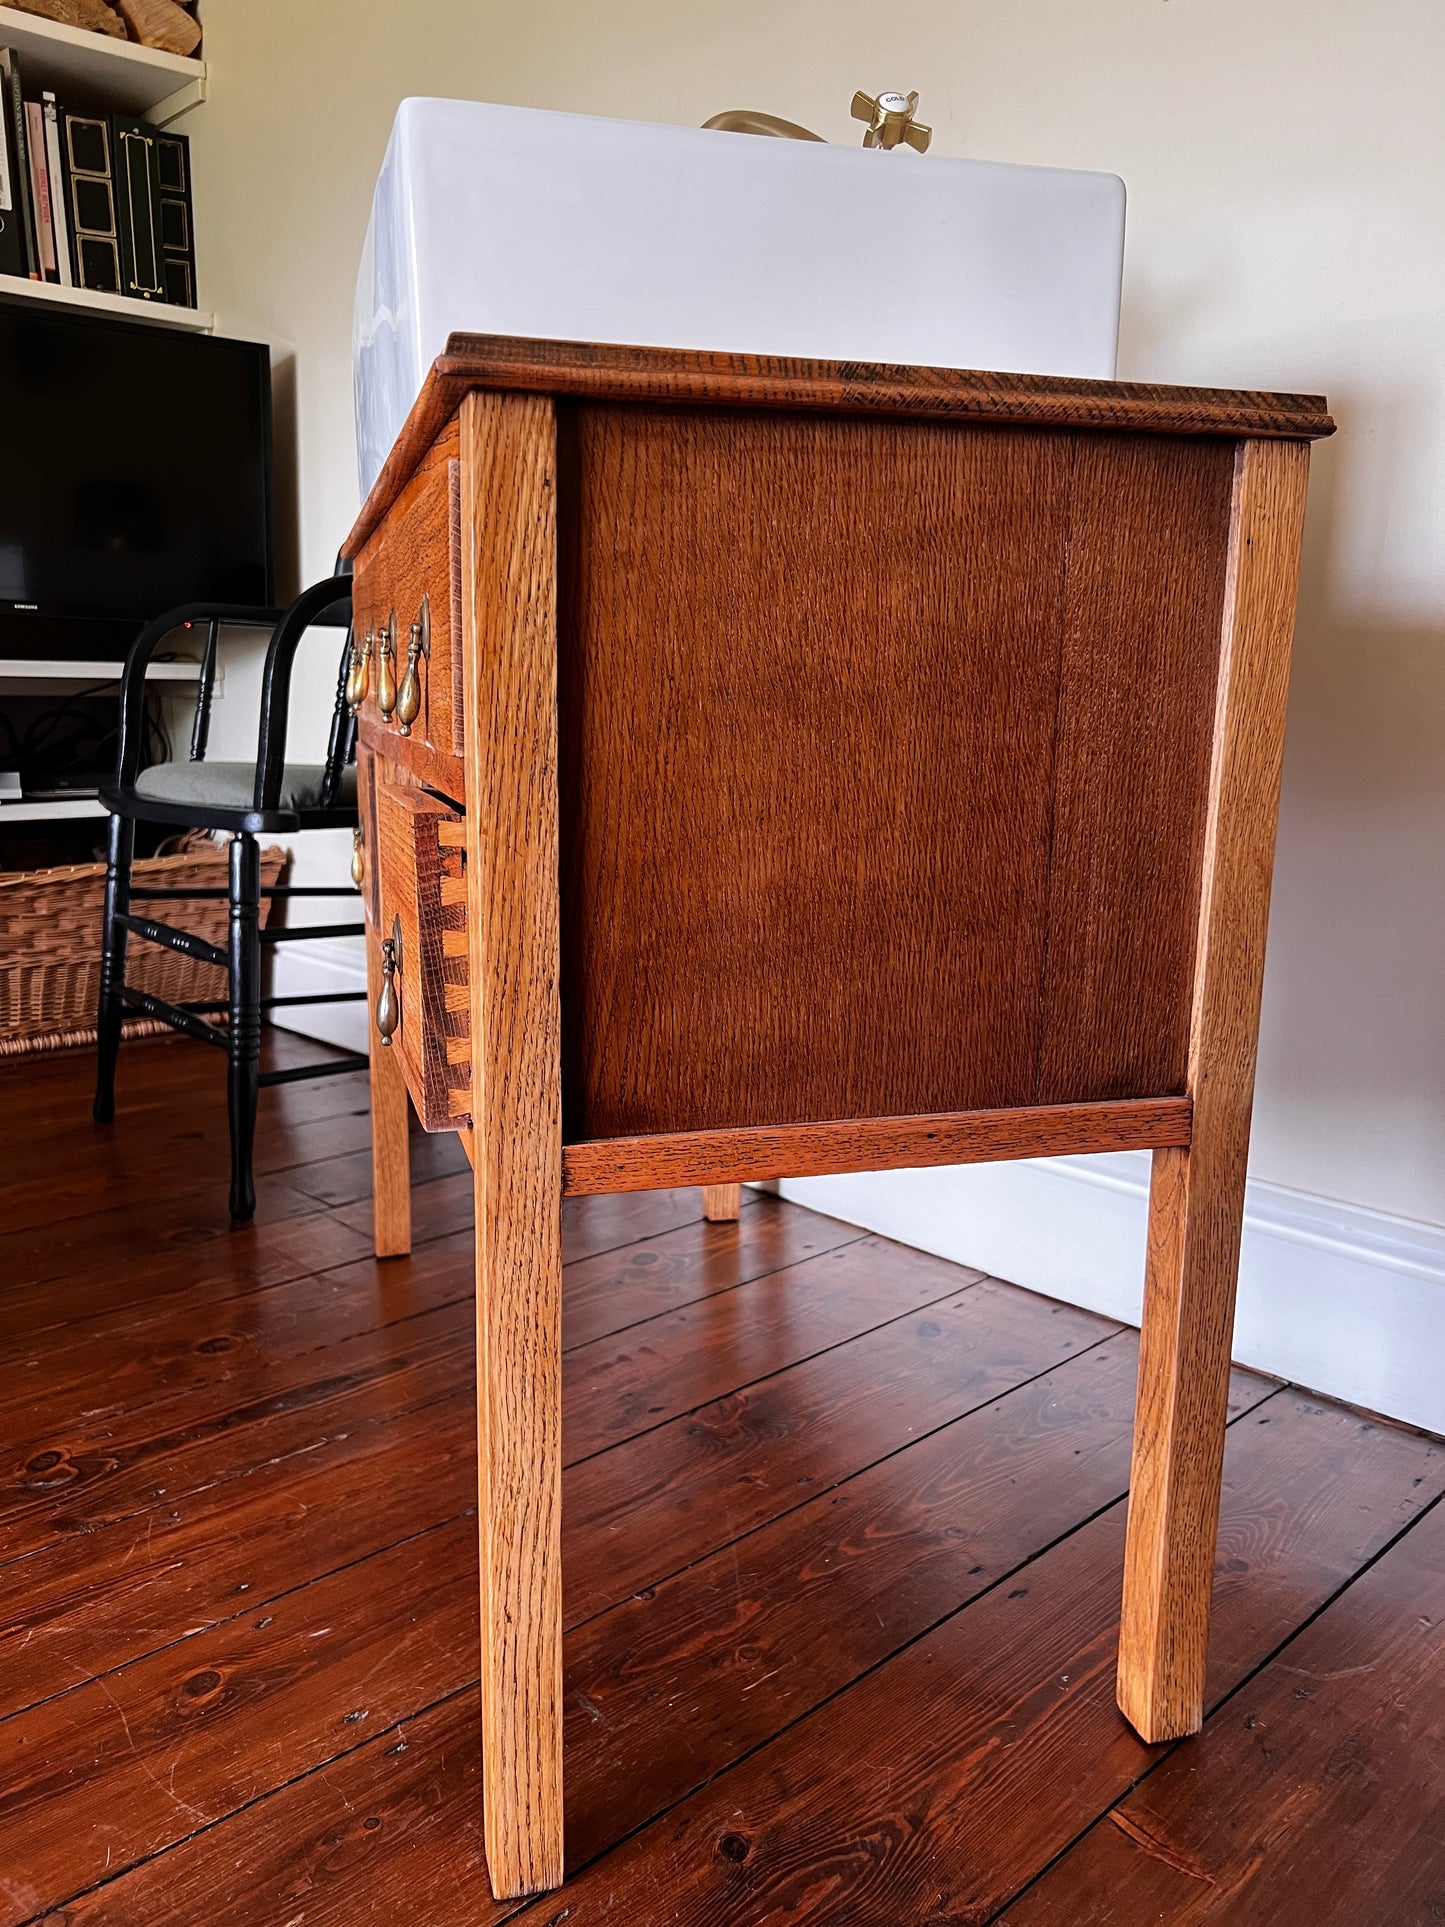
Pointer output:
890, 120
748, 120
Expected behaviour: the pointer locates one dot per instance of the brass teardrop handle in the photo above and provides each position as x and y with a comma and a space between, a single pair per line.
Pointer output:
386, 666
408, 697
357, 673
358, 858
388, 1003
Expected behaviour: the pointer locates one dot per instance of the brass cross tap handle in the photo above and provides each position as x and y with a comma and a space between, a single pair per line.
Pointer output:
388, 1004
890, 120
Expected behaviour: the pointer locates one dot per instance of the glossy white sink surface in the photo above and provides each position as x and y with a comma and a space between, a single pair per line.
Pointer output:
506, 220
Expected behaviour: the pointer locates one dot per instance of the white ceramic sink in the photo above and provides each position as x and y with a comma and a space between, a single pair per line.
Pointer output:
506, 220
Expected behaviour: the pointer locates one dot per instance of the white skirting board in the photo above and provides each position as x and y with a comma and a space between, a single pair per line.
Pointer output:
1343, 1300
323, 966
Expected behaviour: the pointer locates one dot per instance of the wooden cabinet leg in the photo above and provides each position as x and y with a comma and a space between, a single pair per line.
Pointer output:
390, 1148
721, 1203
1196, 1202
508, 449
518, 1192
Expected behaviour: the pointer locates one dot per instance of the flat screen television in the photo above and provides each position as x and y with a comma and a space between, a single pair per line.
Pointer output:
135, 470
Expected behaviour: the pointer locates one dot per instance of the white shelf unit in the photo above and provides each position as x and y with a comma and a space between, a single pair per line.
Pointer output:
48, 812
160, 313
127, 78
44, 676
93, 70
116, 76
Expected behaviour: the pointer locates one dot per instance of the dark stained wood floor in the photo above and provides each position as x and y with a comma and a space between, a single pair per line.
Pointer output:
843, 1532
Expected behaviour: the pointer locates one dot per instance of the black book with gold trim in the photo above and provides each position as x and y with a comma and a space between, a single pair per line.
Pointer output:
138, 208
90, 185
178, 241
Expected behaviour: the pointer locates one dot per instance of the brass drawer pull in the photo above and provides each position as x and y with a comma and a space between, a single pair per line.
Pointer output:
408, 697
386, 666
358, 858
357, 673
388, 1003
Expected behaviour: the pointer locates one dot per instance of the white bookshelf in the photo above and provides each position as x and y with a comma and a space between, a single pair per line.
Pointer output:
93, 70
161, 313
129, 79
44, 676
50, 811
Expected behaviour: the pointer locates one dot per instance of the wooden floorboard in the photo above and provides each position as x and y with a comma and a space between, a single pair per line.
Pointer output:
842, 1548
1317, 1793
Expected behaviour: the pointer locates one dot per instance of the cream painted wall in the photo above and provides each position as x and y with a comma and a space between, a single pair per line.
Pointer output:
1286, 173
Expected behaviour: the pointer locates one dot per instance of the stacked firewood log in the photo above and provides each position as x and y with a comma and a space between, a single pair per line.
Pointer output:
166, 24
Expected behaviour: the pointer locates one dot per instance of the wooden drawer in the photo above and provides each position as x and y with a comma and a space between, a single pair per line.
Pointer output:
407, 601
421, 877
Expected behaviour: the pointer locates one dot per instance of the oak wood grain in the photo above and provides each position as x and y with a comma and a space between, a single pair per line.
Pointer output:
1148, 540
369, 840
606, 372
721, 1203
409, 758
423, 893
509, 574
858, 850
873, 1144
414, 555
1197, 1197
390, 1139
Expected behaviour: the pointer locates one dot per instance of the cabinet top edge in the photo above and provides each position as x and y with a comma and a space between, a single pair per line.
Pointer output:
604, 371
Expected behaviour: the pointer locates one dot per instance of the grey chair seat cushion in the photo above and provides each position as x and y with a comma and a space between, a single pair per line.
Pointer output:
231, 786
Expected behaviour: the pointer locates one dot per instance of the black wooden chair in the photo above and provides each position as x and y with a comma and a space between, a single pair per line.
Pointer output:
247, 800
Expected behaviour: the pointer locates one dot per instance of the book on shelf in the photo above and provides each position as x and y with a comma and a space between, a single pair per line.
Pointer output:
94, 201
40, 190
56, 170
95, 237
18, 149
178, 247
13, 256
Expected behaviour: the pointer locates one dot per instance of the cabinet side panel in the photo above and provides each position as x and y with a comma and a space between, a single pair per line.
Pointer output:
1148, 541
808, 682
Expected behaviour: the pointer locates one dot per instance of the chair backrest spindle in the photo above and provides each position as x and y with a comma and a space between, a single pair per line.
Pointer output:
201, 726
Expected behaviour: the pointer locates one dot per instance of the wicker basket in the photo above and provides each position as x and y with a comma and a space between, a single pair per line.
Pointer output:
50, 946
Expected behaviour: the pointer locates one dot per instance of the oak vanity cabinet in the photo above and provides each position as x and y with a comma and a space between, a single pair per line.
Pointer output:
773, 768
